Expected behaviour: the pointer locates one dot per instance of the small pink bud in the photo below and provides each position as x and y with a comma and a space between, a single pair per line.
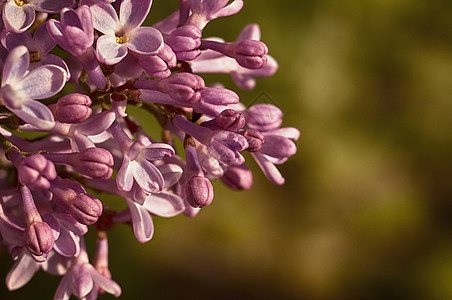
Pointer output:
250, 54
35, 171
85, 208
255, 139
198, 191
238, 177
263, 117
38, 238
95, 163
73, 108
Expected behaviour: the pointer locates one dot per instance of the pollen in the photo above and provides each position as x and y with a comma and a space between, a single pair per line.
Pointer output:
35, 56
121, 39
19, 2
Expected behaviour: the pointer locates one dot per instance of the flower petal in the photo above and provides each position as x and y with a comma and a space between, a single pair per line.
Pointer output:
110, 52
146, 40
16, 65
250, 32
157, 151
51, 6
11, 39
133, 13
164, 204
18, 19
105, 283
230, 9
104, 16
171, 174
36, 114
63, 291
67, 244
124, 179
21, 272
269, 169
43, 82
50, 59
143, 227
147, 176
42, 40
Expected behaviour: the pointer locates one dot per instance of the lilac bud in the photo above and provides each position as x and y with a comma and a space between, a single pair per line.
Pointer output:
73, 108
85, 208
255, 139
35, 171
250, 54
238, 177
185, 42
95, 163
230, 120
183, 87
158, 65
219, 96
38, 238
198, 191
263, 117
278, 146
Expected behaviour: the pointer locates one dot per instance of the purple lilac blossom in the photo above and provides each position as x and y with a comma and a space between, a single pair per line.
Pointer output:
81, 101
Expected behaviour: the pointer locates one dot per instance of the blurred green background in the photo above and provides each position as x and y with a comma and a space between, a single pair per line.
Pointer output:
366, 211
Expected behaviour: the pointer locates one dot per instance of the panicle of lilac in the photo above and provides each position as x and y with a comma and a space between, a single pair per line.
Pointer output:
73, 108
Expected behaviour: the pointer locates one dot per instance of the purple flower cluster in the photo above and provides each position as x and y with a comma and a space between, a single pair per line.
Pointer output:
79, 104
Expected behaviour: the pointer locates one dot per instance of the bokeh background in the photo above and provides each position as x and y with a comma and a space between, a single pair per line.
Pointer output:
366, 211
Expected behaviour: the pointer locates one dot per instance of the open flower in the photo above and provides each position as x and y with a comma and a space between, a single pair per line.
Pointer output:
123, 33
19, 15
20, 87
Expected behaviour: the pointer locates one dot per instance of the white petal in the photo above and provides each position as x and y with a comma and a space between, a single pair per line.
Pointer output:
104, 16
18, 19
143, 227
22, 271
43, 82
124, 179
110, 52
36, 114
147, 176
132, 13
16, 65
106, 284
164, 204
146, 40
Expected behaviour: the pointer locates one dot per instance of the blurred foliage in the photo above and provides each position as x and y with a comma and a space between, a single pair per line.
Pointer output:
366, 211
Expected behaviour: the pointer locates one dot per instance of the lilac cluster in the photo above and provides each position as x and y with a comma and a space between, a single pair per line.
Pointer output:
78, 101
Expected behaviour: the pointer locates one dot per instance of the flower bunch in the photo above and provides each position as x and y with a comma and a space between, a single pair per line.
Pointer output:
108, 61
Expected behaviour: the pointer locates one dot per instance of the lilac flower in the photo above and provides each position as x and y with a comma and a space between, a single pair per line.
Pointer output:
81, 280
38, 46
158, 65
20, 88
73, 108
210, 62
222, 145
137, 164
35, 171
19, 15
204, 11
238, 177
185, 42
75, 34
123, 33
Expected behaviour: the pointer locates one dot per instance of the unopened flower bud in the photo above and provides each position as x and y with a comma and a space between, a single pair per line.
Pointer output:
238, 177
73, 108
185, 42
198, 191
158, 65
38, 238
85, 208
35, 171
263, 117
230, 120
255, 139
95, 163
219, 96
183, 87
250, 54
